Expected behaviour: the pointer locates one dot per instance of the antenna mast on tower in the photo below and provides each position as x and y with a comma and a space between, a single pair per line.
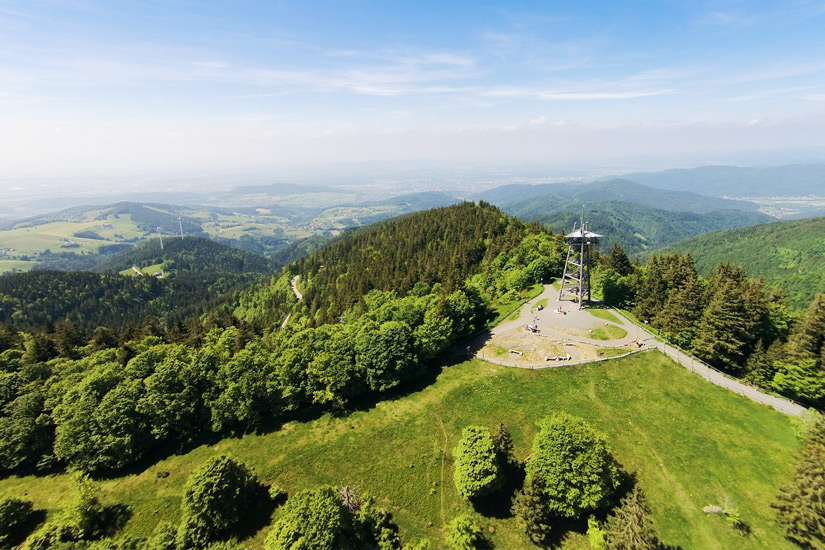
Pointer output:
180, 223
160, 239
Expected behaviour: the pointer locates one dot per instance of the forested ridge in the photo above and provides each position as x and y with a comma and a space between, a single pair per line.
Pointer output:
637, 227
615, 190
380, 307
190, 254
198, 275
788, 254
115, 394
445, 245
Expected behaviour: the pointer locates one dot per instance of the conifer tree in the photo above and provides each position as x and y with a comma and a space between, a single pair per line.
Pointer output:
617, 260
629, 526
725, 329
802, 381
808, 335
505, 450
531, 513
677, 321
800, 506
652, 291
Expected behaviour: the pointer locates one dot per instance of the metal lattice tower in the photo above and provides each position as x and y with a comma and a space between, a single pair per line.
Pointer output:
576, 279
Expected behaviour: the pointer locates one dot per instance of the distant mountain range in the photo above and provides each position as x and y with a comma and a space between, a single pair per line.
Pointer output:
635, 226
636, 216
734, 181
616, 190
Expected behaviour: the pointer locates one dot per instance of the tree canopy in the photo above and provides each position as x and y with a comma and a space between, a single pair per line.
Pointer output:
477, 470
571, 466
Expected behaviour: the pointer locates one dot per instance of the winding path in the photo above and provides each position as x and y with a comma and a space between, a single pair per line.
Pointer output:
294, 284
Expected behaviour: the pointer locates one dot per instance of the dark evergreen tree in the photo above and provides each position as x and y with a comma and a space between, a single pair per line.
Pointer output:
505, 450
531, 513
800, 506
617, 260
726, 328
629, 526
808, 334
677, 321
651, 293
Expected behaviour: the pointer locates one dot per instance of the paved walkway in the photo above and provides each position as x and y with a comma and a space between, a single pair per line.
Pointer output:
575, 325
294, 284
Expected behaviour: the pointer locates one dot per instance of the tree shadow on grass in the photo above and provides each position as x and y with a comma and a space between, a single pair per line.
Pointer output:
260, 513
114, 518
161, 451
498, 504
35, 519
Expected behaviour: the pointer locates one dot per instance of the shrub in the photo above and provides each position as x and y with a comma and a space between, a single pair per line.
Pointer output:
14, 515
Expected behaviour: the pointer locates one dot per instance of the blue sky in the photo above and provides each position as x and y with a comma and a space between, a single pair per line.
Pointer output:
146, 85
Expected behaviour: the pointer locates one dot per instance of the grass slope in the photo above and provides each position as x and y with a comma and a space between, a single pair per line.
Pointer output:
690, 444
788, 254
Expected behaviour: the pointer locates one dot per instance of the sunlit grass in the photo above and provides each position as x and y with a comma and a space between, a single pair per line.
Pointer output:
689, 443
604, 314
608, 332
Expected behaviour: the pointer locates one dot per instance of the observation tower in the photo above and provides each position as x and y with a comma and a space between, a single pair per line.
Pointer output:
576, 279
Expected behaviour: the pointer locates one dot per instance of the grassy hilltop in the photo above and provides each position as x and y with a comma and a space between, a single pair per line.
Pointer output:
690, 444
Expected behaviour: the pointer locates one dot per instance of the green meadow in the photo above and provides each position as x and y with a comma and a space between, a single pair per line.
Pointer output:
688, 443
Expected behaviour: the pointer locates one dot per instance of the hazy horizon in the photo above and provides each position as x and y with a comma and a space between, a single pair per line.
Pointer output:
90, 87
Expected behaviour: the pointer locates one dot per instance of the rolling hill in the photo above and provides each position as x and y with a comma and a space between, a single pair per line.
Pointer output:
361, 386
788, 254
187, 255
82, 237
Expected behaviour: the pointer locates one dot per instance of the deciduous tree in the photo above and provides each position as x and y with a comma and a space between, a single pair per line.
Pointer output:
215, 499
477, 471
571, 466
